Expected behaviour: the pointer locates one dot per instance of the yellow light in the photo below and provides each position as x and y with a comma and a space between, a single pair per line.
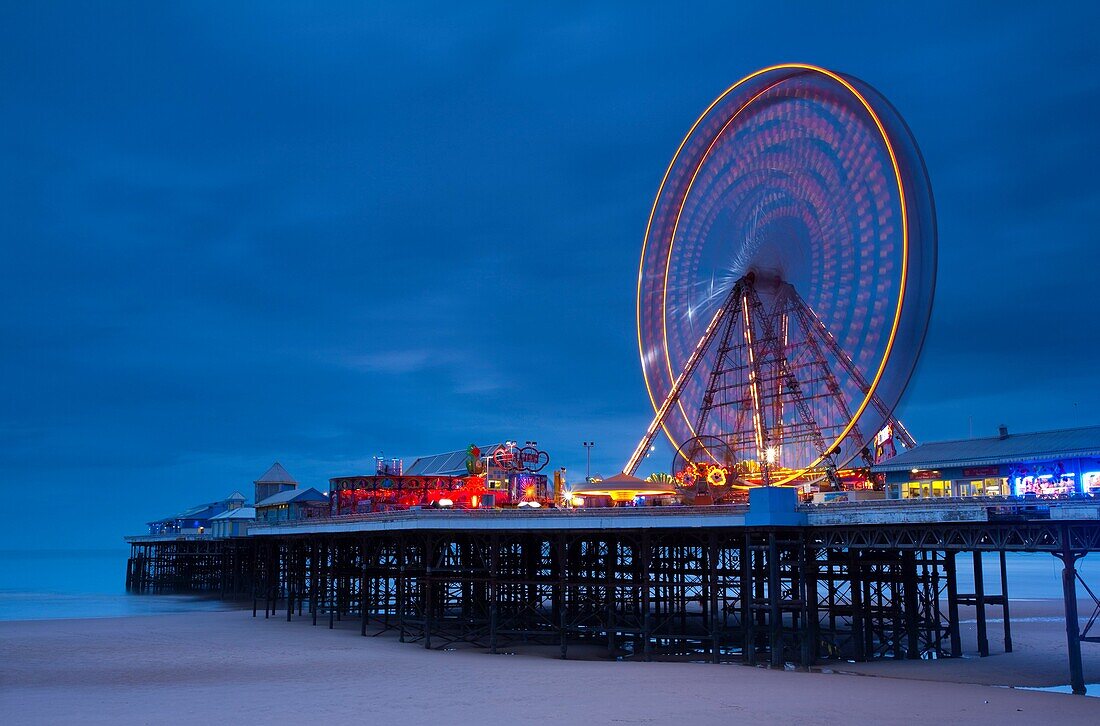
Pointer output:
717, 477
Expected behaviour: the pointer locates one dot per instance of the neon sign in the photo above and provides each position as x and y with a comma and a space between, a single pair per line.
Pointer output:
526, 458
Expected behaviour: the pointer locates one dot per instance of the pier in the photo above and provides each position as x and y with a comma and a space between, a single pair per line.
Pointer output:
844, 582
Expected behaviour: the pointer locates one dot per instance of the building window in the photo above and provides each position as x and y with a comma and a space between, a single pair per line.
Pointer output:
925, 489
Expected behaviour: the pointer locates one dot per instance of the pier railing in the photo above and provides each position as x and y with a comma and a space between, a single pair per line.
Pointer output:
525, 514
887, 511
168, 537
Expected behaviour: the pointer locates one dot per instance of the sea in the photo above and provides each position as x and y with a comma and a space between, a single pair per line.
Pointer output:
51, 584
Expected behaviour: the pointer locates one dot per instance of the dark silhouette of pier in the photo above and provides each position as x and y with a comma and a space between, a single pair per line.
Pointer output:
656, 583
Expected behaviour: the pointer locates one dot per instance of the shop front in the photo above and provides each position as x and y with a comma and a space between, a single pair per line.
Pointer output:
949, 482
1047, 464
1055, 478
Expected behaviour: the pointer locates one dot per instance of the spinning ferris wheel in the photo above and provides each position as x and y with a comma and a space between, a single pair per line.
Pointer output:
786, 279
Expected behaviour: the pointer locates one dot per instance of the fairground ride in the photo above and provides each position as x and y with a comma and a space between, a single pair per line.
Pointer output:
785, 285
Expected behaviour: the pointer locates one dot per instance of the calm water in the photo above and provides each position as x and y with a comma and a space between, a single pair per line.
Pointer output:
45, 585
40, 585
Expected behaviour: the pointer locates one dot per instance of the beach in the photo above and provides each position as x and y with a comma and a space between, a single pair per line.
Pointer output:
227, 666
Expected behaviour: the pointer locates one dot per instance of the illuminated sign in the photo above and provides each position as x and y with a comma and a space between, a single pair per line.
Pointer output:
884, 444
527, 458
884, 435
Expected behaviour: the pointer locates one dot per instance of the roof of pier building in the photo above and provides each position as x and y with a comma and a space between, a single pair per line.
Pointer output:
293, 495
276, 474
202, 512
1007, 449
451, 463
238, 513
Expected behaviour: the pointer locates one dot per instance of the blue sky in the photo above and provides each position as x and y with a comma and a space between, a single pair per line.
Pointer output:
235, 233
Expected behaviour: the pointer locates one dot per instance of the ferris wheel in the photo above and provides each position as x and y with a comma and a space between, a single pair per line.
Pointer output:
786, 278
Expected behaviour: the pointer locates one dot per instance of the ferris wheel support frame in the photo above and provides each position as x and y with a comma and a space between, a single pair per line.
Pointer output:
731, 303
743, 304
806, 312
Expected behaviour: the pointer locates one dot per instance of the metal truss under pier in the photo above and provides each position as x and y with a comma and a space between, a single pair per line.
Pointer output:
708, 590
190, 563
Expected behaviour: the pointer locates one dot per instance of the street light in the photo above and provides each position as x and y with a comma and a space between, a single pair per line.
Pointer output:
588, 469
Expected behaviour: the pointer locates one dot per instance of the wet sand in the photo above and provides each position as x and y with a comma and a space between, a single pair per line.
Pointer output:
226, 666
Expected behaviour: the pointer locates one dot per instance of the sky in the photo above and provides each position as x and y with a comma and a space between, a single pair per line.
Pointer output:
235, 233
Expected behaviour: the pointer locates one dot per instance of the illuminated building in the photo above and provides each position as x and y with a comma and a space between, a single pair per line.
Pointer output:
478, 476
1043, 464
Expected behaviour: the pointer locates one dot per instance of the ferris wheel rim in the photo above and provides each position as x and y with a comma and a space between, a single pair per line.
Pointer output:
906, 250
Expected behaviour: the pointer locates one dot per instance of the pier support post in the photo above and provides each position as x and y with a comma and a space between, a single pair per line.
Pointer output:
1073, 634
979, 604
610, 566
314, 578
429, 590
807, 587
364, 586
859, 617
400, 546
331, 564
494, 590
563, 570
953, 604
647, 621
1004, 603
909, 603
711, 589
775, 615
748, 596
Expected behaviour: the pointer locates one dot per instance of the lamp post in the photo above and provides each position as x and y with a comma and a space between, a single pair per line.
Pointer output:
588, 468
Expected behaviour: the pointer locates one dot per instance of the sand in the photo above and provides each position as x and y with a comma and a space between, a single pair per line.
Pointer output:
215, 667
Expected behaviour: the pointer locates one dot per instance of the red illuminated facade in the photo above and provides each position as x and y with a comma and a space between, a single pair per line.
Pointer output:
383, 493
